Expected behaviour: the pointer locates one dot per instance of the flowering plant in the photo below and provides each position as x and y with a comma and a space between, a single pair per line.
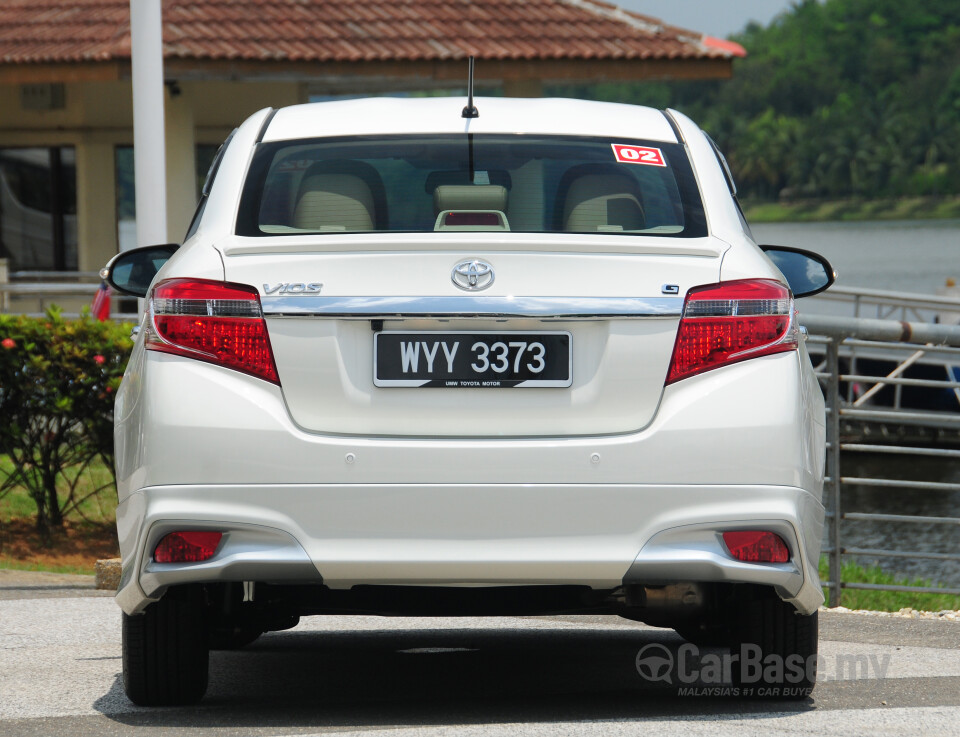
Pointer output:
58, 380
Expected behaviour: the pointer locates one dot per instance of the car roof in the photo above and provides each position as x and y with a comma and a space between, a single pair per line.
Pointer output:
394, 115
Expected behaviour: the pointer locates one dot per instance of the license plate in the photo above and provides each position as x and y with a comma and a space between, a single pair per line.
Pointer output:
483, 360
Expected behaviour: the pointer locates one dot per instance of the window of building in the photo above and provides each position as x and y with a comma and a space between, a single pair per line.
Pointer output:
126, 190
126, 198
38, 208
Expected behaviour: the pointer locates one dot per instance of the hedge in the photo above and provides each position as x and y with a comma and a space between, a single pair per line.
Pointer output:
58, 380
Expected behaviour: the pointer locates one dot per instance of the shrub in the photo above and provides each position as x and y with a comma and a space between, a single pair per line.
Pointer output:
58, 379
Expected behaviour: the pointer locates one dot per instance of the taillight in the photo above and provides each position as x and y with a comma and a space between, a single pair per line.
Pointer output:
756, 546
189, 546
732, 321
211, 321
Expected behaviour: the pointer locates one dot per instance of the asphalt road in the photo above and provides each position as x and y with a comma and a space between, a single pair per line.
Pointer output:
60, 675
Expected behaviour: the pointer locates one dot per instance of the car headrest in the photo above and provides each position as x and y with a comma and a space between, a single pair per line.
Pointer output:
334, 202
341, 194
469, 197
603, 202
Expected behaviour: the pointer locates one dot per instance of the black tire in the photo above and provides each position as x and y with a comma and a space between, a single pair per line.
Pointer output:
771, 627
165, 653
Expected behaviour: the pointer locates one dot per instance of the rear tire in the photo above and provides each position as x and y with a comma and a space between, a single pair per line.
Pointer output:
781, 645
165, 652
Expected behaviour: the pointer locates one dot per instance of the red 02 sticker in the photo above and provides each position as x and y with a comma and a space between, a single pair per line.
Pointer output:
638, 155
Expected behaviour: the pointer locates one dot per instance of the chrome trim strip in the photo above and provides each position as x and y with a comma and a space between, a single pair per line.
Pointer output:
467, 306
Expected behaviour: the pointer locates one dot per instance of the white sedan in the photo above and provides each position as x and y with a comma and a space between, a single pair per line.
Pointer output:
408, 361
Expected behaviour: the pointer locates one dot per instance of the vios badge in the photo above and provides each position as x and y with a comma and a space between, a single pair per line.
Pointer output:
472, 275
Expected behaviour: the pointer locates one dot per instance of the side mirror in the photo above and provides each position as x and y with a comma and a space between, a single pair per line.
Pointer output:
131, 272
807, 273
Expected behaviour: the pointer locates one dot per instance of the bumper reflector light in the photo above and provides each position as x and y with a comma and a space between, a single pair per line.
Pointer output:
189, 546
756, 546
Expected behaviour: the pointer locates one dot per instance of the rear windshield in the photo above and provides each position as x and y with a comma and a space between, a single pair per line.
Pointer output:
466, 182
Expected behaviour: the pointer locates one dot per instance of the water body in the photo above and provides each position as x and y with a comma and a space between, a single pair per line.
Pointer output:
903, 536
905, 256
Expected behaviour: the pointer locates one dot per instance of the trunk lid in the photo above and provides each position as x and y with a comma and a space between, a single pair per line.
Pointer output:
325, 300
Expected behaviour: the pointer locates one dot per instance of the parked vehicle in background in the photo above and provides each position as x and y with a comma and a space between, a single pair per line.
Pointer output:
408, 362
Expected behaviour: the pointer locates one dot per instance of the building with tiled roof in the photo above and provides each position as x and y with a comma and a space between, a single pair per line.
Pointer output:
65, 96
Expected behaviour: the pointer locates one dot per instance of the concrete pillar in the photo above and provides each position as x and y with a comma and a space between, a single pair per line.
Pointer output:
530, 87
181, 167
146, 62
96, 205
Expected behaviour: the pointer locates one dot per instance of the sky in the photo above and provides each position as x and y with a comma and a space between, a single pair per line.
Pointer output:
717, 18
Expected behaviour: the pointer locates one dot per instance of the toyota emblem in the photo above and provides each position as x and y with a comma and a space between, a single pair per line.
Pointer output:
472, 275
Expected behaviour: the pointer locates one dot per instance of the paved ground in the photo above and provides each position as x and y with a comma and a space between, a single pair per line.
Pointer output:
60, 675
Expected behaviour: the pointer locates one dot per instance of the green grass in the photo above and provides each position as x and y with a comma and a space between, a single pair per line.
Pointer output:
899, 208
886, 601
18, 565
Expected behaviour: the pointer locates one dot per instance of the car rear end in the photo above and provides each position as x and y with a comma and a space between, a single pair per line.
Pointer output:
458, 369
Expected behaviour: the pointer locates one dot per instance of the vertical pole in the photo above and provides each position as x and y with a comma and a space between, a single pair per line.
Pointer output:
4, 279
149, 149
853, 354
833, 467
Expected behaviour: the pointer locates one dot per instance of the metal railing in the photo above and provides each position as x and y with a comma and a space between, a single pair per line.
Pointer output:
900, 344
32, 292
886, 305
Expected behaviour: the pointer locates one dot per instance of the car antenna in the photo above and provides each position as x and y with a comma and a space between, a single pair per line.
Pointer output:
470, 111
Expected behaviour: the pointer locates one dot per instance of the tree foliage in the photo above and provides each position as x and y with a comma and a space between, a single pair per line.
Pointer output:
836, 98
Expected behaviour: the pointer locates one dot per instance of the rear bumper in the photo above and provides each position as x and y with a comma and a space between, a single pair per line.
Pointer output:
601, 536
745, 424
728, 449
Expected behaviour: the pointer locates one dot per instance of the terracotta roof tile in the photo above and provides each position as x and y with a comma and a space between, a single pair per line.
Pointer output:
37, 31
